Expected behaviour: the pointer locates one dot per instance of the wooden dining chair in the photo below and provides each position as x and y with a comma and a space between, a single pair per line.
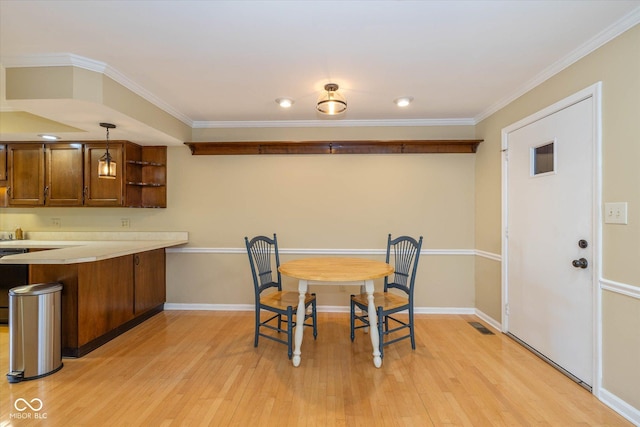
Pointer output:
282, 305
403, 253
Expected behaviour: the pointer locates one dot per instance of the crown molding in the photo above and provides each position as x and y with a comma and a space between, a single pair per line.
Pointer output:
333, 123
627, 22
120, 78
72, 60
53, 60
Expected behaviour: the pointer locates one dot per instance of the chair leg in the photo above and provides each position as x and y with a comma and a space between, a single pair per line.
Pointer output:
380, 332
257, 332
353, 319
413, 337
314, 317
290, 330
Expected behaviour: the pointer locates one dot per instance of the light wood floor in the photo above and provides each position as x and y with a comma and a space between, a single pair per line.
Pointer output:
200, 368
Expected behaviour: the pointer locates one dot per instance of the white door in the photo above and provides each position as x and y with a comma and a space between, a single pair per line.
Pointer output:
549, 217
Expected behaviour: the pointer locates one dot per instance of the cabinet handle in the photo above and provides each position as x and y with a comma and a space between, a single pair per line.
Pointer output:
9, 191
46, 192
137, 260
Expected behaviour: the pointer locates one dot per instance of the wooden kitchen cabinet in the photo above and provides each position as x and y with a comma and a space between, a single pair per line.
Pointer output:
66, 174
63, 174
149, 279
141, 176
146, 176
3, 165
103, 299
101, 191
25, 173
44, 174
3, 176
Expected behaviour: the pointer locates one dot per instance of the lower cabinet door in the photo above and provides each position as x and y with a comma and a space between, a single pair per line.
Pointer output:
105, 296
150, 280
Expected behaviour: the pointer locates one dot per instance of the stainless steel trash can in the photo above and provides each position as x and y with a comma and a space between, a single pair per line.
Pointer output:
35, 340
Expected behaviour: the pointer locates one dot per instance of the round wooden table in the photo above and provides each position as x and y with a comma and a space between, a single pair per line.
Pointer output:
333, 270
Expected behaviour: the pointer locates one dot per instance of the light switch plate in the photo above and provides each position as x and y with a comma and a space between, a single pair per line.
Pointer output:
615, 213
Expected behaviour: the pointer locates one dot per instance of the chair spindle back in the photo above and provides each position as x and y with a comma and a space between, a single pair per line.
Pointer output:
405, 252
264, 259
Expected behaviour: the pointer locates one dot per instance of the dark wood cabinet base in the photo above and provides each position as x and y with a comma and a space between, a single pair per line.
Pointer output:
103, 299
92, 345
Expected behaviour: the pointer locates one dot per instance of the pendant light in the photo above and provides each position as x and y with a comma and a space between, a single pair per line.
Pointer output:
331, 103
106, 166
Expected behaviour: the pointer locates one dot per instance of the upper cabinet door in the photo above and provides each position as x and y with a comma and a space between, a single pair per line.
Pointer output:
101, 191
26, 174
63, 174
3, 163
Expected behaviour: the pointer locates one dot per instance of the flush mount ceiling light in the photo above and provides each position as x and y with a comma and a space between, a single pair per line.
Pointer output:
285, 102
106, 166
403, 101
331, 102
49, 137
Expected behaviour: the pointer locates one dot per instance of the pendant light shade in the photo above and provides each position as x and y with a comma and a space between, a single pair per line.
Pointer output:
331, 102
106, 166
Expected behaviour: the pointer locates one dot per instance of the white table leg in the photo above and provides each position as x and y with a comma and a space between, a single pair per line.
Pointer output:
373, 324
363, 290
302, 288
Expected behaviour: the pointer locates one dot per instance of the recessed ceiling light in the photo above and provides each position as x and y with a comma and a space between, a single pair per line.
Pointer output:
49, 137
403, 101
284, 102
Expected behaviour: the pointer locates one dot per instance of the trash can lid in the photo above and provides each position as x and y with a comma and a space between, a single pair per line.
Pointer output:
36, 289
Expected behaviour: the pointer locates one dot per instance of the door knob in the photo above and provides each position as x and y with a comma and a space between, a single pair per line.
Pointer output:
581, 263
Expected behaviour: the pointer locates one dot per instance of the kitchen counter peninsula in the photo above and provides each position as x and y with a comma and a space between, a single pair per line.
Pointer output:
111, 281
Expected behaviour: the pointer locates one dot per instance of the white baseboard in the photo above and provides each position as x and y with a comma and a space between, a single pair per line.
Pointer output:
620, 406
490, 320
443, 310
208, 307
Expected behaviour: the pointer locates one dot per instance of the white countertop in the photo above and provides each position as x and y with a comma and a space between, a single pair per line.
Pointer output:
78, 247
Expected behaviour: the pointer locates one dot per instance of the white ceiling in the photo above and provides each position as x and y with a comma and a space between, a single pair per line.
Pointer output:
213, 62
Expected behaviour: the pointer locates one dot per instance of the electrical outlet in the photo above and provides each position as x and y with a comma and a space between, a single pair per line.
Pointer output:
615, 213
56, 223
125, 223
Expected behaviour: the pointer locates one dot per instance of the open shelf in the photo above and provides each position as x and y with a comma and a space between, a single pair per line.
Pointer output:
334, 147
146, 177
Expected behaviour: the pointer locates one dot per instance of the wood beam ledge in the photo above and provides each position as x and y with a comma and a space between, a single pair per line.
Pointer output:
335, 147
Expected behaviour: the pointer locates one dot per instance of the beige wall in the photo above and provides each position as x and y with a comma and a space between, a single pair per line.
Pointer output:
320, 202
312, 202
617, 65
330, 201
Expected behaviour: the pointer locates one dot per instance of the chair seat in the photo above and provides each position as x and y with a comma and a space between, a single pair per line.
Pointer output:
386, 300
283, 299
